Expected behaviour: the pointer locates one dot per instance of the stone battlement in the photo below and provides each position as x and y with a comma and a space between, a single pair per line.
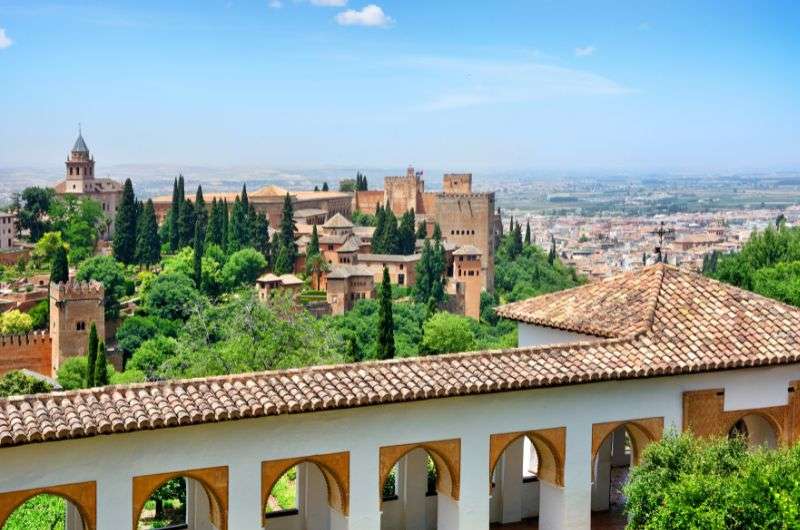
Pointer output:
34, 337
76, 290
471, 195
30, 351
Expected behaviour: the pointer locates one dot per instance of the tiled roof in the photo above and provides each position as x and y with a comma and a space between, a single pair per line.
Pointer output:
467, 250
80, 145
685, 324
340, 272
338, 221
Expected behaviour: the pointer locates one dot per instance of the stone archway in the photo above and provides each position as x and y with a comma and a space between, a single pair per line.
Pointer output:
83, 496
335, 469
213, 480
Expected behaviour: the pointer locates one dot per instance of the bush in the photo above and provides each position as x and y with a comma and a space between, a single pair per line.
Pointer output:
243, 268
16, 383
447, 333
686, 483
171, 296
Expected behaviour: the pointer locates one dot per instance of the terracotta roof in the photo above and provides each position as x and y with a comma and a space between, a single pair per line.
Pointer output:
353, 244
467, 250
338, 221
340, 272
390, 258
687, 324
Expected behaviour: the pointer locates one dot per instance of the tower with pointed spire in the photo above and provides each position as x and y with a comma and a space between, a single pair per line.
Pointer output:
80, 181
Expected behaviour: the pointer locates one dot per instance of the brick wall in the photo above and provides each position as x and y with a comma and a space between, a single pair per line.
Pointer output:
31, 351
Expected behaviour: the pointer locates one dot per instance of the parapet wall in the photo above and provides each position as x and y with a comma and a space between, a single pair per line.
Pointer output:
75, 290
31, 351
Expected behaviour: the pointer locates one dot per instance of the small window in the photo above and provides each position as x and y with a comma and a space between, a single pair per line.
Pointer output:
80, 326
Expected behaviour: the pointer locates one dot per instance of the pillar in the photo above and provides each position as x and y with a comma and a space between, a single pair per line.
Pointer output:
618, 456
510, 476
365, 499
197, 506
413, 475
114, 502
471, 510
601, 488
73, 519
569, 508
314, 492
244, 495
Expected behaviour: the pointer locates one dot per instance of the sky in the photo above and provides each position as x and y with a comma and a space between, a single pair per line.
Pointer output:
621, 85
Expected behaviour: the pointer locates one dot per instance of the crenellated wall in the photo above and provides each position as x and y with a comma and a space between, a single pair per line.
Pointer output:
31, 351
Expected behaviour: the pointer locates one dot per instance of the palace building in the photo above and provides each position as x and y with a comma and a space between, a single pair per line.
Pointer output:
529, 437
80, 181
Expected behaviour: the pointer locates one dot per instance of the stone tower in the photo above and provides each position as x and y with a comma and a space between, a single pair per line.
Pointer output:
457, 183
73, 308
467, 275
80, 164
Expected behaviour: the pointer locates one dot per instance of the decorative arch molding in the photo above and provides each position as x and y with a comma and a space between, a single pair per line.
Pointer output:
550, 445
335, 468
642, 433
704, 414
213, 479
82, 495
446, 454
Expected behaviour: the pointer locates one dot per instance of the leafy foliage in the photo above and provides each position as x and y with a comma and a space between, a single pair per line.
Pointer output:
125, 226
447, 333
529, 273
32, 207
80, 221
243, 268
15, 322
686, 483
16, 383
386, 347
109, 272
46, 512
172, 296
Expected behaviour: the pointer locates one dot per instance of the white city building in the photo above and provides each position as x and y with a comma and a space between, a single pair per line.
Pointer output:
523, 437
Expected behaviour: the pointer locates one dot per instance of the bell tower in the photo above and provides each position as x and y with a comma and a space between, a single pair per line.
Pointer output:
80, 164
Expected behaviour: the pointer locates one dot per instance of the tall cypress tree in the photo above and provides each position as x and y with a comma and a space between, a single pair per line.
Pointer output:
405, 233
245, 200
437, 232
59, 269
199, 240
274, 249
422, 230
200, 214
325, 186
225, 220
379, 234
287, 230
261, 234
174, 212
101, 366
386, 348
148, 246
238, 229
282, 263
551, 256
528, 232
91, 355
312, 250
186, 223
517, 241
252, 221
125, 226
214, 228
391, 237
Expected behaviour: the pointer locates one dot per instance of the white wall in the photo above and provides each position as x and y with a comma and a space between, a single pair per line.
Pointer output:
531, 335
241, 445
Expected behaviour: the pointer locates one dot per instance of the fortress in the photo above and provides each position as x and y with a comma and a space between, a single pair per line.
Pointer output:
465, 217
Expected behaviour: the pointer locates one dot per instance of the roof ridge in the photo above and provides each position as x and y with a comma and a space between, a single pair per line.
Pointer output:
648, 323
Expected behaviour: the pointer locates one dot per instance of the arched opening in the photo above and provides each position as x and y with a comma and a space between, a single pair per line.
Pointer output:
45, 512
526, 484
416, 492
306, 496
182, 502
612, 461
757, 430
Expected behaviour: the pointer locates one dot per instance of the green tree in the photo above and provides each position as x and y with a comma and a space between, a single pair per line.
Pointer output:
391, 237
174, 213
430, 274
312, 250
81, 221
447, 333
437, 232
422, 230
101, 366
406, 235
46, 248
287, 230
386, 346
15, 322
152, 354
186, 221
528, 232
200, 214
59, 269
325, 186
32, 207
137, 329
260, 238
199, 239
215, 233
243, 268
91, 355
72, 372
111, 274
172, 296
238, 229
379, 235
125, 226
16, 383
40, 314
551, 256
148, 247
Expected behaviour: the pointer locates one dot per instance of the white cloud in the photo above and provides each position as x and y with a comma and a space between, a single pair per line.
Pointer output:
584, 51
5, 40
371, 16
477, 82
275, 4
329, 3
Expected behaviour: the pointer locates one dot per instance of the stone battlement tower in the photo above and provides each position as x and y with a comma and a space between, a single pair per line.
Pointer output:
73, 308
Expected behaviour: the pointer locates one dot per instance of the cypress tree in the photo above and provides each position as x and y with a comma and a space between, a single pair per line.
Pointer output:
386, 348
316, 188
148, 245
437, 232
214, 227
225, 222
200, 214
325, 186
186, 223
422, 230
405, 233
101, 366
238, 231
174, 212
125, 226
245, 199
198, 255
422, 288
252, 221
59, 269
261, 234
379, 234
528, 232
551, 256
438, 267
287, 230
391, 238
91, 355
517, 241
313, 245
274, 249
282, 263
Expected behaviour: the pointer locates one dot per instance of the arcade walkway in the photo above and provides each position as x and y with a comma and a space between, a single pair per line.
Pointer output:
600, 521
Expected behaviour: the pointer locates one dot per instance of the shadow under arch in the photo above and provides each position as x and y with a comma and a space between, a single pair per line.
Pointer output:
335, 468
214, 481
446, 456
642, 432
776, 430
83, 496
550, 447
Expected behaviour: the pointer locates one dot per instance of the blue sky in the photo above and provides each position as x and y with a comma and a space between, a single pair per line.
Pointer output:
638, 86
